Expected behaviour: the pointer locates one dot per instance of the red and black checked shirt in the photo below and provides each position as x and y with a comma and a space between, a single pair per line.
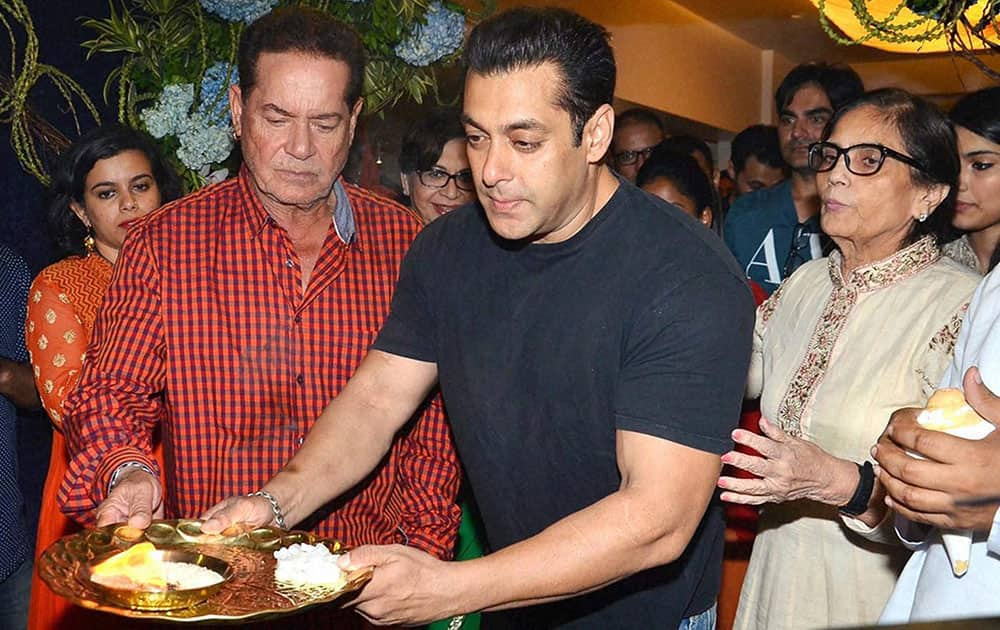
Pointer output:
205, 331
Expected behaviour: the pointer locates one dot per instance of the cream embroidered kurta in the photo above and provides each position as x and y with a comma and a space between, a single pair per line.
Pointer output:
833, 358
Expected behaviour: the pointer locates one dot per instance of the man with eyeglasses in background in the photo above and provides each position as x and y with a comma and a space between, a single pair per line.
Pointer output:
773, 231
637, 131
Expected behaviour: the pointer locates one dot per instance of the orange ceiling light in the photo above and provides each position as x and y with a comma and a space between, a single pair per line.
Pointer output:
894, 27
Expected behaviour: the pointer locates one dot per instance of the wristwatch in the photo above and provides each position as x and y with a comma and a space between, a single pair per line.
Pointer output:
863, 493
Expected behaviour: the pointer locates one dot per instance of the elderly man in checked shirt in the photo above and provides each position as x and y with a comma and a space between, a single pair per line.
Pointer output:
237, 313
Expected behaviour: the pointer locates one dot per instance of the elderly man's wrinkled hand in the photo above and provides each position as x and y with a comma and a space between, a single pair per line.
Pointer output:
236, 511
408, 586
788, 469
925, 490
136, 499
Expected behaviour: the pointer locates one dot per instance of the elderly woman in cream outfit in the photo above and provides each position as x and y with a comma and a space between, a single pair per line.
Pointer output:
843, 343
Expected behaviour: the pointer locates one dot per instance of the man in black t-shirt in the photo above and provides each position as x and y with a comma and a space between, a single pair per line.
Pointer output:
591, 343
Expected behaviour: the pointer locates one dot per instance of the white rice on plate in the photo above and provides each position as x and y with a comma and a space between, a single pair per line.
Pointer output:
311, 565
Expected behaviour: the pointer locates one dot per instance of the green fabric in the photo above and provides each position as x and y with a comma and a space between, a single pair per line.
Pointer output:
468, 546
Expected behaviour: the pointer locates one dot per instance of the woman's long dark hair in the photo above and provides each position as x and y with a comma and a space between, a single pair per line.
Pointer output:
71, 172
979, 112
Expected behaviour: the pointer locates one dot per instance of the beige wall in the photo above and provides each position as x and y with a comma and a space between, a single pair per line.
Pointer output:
675, 61
936, 76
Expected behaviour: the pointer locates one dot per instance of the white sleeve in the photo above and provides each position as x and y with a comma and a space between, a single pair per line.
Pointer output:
993, 542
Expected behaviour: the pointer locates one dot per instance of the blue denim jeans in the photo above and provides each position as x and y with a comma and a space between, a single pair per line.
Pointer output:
15, 592
701, 621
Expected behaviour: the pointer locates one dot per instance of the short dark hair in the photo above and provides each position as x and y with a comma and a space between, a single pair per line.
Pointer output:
840, 83
929, 138
979, 112
302, 30
526, 37
639, 115
759, 141
688, 144
682, 171
424, 143
70, 178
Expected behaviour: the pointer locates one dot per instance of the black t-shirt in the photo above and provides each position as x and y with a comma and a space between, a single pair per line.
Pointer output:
640, 322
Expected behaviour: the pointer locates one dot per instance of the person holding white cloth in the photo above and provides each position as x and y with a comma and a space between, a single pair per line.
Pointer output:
924, 492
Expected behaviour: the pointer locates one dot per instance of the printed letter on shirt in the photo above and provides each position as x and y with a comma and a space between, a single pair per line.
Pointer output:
769, 262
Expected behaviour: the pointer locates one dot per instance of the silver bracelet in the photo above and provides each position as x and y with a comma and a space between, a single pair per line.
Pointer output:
279, 517
115, 476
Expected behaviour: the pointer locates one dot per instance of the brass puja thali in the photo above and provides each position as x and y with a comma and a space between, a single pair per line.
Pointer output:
243, 558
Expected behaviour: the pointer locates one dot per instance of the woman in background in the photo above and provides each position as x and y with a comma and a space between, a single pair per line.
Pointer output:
977, 213
678, 179
433, 167
436, 177
110, 177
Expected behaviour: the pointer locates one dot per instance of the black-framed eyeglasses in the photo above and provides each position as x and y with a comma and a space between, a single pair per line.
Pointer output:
629, 157
860, 159
439, 178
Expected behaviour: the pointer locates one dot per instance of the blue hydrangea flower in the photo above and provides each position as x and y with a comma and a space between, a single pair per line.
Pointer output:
214, 88
203, 144
203, 141
239, 10
438, 38
170, 114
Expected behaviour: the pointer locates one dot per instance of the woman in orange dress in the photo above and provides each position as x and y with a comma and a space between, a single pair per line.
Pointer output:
108, 178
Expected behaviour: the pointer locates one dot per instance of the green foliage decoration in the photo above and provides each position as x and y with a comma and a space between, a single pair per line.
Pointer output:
27, 129
178, 59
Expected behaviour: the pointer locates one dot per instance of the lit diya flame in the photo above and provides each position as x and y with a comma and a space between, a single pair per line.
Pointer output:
140, 564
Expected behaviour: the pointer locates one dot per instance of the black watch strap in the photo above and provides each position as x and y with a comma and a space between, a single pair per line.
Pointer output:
863, 493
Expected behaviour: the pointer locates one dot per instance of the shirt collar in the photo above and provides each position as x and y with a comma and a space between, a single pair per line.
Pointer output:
343, 212
888, 271
961, 252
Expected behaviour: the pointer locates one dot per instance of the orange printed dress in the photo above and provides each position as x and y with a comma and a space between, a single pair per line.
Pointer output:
62, 306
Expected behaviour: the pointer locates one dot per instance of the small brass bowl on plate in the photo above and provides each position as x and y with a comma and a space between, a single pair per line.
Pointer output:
170, 599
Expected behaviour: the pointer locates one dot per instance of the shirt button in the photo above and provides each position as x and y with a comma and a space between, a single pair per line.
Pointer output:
298, 319
301, 440
300, 379
289, 263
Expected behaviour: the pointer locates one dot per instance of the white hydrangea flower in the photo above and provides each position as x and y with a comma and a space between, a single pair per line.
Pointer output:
170, 114
203, 144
